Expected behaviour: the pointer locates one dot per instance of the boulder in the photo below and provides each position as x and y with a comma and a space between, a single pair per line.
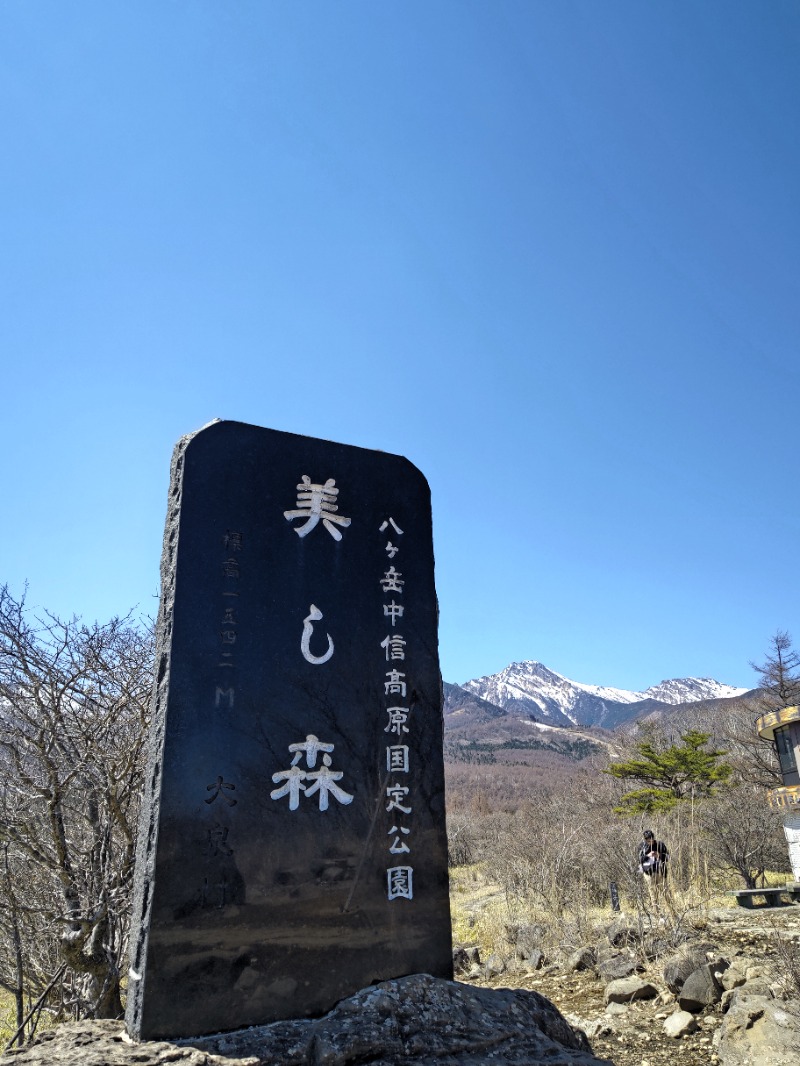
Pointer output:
679, 1024
757, 1031
619, 965
616, 1009
536, 960
604, 951
629, 988
678, 966
759, 986
735, 975
465, 956
582, 959
494, 966
418, 1020
106, 1043
515, 965
701, 989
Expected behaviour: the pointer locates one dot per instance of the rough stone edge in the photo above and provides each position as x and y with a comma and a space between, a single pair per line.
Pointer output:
151, 793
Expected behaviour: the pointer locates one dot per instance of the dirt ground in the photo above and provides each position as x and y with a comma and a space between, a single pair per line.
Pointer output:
634, 1036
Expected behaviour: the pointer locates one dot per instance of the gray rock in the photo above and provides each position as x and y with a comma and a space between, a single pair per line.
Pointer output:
759, 986
757, 1031
420, 1019
629, 988
615, 1009
735, 975
680, 1024
679, 965
701, 989
536, 960
597, 1028
465, 956
515, 965
106, 1043
617, 966
604, 951
582, 959
494, 966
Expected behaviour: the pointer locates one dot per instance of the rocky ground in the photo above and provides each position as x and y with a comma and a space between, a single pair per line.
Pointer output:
632, 1033
703, 987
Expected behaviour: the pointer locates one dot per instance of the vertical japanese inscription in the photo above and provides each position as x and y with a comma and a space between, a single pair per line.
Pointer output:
399, 879
217, 890
315, 502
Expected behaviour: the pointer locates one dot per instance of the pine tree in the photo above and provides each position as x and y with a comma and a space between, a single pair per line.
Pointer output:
670, 776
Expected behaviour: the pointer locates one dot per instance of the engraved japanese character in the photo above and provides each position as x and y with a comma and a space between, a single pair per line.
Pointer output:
217, 840
314, 615
315, 502
396, 793
394, 684
392, 610
391, 581
397, 758
398, 846
397, 720
322, 781
394, 645
216, 790
400, 880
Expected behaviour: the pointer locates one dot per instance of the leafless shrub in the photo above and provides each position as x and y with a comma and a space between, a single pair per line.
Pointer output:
73, 707
784, 969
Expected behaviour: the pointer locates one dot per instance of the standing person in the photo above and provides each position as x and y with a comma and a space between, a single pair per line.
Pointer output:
653, 862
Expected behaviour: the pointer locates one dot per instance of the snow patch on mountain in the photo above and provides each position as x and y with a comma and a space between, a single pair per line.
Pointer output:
532, 690
690, 689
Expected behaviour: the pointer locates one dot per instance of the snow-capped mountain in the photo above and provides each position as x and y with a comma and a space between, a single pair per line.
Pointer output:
531, 690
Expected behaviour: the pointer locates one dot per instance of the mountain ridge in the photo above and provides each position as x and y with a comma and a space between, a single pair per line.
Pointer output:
530, 690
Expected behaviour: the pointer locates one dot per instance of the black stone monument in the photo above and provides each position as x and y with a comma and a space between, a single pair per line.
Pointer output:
292, 845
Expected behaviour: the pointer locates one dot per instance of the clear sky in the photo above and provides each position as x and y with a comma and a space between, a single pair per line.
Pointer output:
547, 250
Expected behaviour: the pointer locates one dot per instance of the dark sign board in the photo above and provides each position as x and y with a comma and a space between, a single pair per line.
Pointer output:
293, 844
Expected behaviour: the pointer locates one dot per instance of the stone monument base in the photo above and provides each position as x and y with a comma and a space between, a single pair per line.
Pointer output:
418, 1020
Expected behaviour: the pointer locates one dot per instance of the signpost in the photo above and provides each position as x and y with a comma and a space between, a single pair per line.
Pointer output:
293, 844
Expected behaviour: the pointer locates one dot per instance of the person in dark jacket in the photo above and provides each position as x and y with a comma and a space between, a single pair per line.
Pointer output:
653, 863
653, 856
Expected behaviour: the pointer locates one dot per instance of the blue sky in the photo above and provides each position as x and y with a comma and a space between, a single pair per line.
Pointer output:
548, 251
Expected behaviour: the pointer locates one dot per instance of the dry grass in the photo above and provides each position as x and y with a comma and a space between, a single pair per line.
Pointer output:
483, 913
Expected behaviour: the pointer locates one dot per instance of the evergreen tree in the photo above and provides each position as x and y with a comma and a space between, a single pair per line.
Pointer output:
677, 773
